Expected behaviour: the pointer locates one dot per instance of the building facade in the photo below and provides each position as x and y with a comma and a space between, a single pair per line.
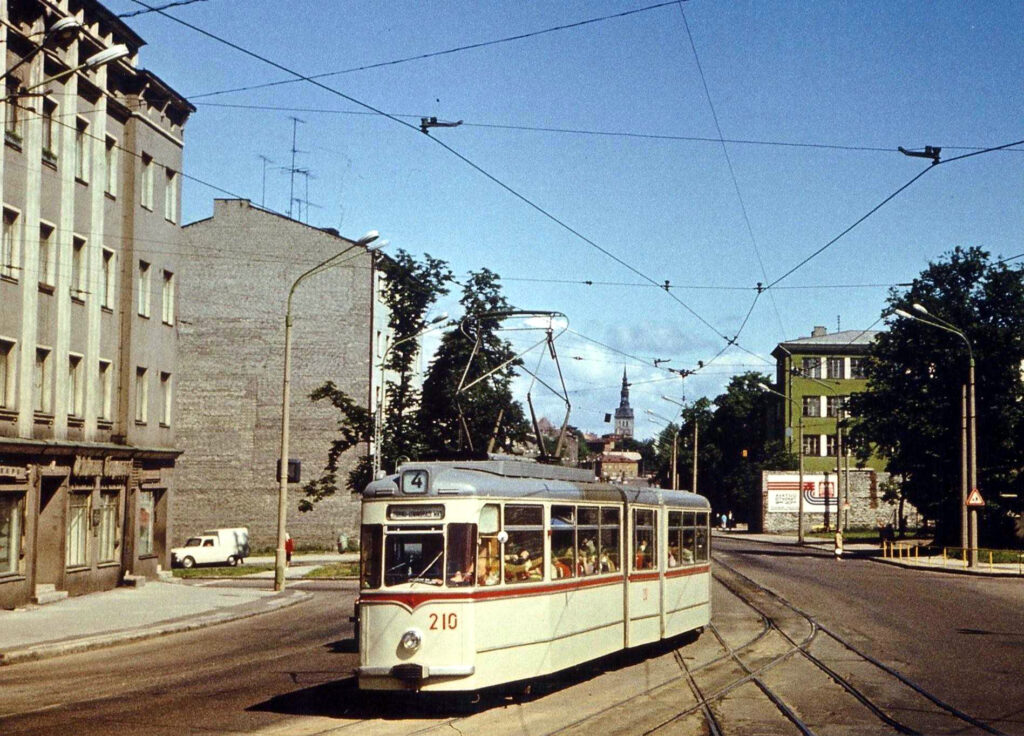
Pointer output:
816, 374
89, 182
244, 260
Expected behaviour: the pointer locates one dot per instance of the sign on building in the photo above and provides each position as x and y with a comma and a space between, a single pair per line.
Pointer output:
819, 493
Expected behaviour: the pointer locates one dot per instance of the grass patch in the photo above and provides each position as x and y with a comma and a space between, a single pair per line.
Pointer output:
335, 570
220, 572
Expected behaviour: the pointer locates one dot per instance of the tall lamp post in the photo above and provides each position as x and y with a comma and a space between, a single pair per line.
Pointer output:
696, 438
378, 423
968, 459
675, 444
282, 496
800, 449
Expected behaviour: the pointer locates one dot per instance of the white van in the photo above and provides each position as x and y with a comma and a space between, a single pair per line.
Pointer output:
236, 539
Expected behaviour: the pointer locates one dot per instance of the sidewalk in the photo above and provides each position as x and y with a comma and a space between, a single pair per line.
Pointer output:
872, 551
156, 608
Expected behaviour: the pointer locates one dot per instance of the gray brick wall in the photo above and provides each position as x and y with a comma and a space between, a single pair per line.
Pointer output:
867, 509
234, 282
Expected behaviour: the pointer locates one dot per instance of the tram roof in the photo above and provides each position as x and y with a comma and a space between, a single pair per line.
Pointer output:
513, 478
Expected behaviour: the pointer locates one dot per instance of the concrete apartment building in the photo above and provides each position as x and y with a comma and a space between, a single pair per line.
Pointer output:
242, 263
89, 184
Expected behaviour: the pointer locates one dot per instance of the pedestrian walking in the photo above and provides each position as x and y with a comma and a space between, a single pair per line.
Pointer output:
289, 547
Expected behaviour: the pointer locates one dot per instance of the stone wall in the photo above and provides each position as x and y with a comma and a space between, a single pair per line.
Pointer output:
866, 508
234, 292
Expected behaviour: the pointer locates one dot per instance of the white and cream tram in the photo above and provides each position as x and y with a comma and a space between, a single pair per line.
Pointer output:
480, 573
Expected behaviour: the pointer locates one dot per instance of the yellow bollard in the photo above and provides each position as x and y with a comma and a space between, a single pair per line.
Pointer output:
990, 559
963, 551
916, 553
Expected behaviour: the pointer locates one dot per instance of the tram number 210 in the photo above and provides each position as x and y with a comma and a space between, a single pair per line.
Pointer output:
444, 621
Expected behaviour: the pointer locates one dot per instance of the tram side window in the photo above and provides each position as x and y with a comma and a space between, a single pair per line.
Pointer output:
524, 550
677, 551
369, 555
702, 537
461, 554
488, 555
689, 538
563, 542
610, 560
644, 549
588, 531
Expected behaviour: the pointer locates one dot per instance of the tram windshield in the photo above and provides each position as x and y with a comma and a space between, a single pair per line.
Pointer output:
413, 556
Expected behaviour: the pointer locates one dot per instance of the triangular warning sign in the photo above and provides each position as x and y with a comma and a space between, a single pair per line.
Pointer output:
974, 498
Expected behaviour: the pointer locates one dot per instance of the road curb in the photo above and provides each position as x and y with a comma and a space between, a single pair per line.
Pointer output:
47, 650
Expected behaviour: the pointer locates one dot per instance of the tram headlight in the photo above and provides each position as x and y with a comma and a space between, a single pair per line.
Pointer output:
411, 640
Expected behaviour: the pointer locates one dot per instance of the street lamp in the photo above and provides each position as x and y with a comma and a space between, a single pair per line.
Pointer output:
100, 58
968, 466
378, 431
800, 449
282, 498
675, 444
61, 30
696, 435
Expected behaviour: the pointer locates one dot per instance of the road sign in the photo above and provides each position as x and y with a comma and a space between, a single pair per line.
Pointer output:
974, 498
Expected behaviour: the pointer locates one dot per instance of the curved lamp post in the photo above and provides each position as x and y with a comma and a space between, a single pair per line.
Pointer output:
696, 437
282, 498
675, 444
969, 455
800, 448
378, 431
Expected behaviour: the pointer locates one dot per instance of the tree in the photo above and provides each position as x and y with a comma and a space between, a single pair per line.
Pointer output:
911, 413
740, 446
410, 288
487, 409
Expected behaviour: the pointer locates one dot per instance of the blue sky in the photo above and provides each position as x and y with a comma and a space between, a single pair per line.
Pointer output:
610, 128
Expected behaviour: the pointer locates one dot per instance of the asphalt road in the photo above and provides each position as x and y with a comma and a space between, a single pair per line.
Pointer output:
288, 672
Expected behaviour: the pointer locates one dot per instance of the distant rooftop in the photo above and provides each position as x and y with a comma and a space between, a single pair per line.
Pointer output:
820, 338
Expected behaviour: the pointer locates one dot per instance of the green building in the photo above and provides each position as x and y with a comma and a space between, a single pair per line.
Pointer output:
816, 374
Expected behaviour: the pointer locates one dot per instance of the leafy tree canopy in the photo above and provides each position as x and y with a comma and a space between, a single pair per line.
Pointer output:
912, 413
488, 408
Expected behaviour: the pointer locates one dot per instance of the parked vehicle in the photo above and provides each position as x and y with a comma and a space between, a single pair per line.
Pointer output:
205, 549
236, 538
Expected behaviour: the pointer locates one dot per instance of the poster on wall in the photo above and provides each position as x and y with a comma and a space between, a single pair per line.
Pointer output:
784, 493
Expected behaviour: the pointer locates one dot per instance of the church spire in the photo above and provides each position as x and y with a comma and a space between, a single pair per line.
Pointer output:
624, 414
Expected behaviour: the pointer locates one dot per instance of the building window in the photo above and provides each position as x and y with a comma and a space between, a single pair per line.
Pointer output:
12, 525
110, 166
834, 405
75, 385
105, 384
147, 509
82, 150
10, 245
42, 382
836, 368
78, 529
144, 289
107, 282
168, 298
811, 367
171, 196
50, 131
13, 123
46, 253
831, 445
812, 445
108, 528
812, 406
146, 194
858, 368
6, 374
77, 268
165, 399
141, 396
